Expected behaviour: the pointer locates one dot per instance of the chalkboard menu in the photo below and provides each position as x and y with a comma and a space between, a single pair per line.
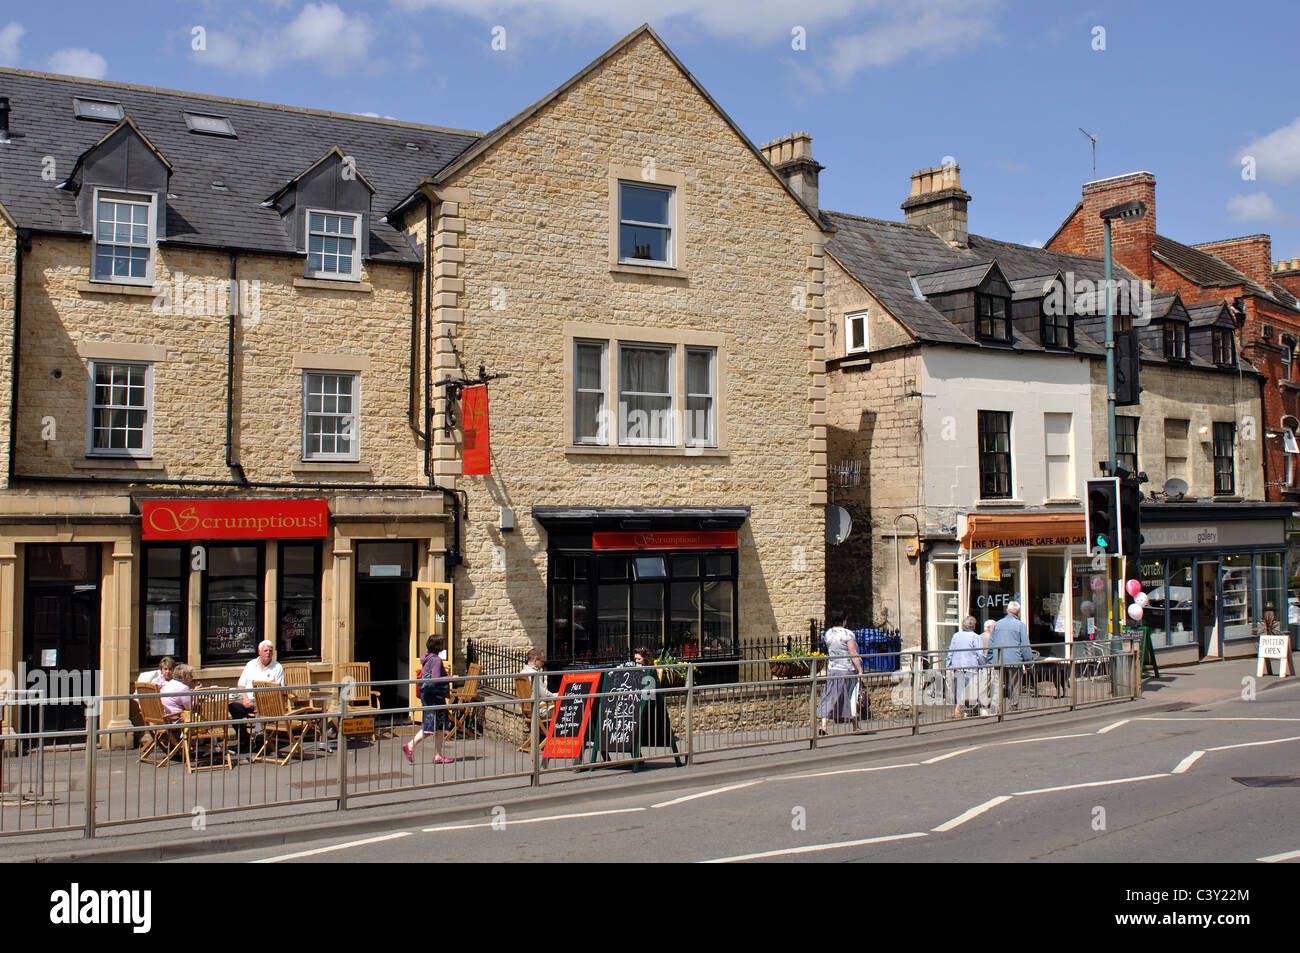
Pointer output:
231, 628
572, 712
621, 708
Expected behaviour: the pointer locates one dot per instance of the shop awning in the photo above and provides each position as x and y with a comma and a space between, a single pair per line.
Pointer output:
987, 530
583, 519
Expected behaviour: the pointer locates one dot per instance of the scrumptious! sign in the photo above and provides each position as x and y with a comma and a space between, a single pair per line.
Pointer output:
233, 519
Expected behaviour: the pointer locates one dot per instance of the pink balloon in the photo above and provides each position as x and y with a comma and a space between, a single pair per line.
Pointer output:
1135, 612
1098, 584
1142, 599
1133, 587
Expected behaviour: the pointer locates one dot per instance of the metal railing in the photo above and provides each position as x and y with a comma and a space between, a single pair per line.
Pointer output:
335, 751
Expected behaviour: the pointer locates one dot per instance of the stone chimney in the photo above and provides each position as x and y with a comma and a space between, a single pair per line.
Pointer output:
1287, 274
1252, 255
938, 201
1131, 241
791, 156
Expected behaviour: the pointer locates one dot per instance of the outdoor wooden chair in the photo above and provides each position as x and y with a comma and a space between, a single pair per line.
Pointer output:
281, 722
363, 701
464, 717
162, 737
297, 675
209, 708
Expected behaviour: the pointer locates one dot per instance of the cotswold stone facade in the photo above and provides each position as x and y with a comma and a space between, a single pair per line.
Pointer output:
523, 232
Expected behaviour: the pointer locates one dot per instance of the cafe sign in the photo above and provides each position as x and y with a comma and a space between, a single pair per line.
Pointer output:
233, 519
666, 539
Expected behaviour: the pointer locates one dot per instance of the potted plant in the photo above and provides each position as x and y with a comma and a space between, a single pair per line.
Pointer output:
796, 663
670, 672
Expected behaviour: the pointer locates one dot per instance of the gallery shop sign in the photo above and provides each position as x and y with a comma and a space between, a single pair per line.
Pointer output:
233, 519
667, 539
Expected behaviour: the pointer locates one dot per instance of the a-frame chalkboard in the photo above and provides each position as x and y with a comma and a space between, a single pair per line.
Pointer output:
629, 709
568, 731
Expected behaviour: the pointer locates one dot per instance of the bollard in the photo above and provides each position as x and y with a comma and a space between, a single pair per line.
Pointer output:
1000, 678
812, 705
690, 712
534, 742
92, 725
343, 749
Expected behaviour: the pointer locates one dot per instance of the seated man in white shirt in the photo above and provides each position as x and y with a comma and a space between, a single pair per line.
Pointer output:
534, 662
264, 668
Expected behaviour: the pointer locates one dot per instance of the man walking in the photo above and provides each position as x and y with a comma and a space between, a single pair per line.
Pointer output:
1009, 647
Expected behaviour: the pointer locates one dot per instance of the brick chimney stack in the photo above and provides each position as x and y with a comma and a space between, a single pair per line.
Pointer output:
938, 202
791, 156
1131, 241
1287, 274
1252, 255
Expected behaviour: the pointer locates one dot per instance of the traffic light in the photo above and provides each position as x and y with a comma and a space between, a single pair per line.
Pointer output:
1130, 519
1127, 391
1102, 515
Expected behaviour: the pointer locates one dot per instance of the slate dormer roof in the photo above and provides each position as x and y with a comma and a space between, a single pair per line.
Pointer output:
273, 144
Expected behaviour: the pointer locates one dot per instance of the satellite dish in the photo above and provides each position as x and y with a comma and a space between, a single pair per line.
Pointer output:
838, 524
1175, 489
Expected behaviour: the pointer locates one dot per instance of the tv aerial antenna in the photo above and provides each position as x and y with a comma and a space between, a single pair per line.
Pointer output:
1092, 139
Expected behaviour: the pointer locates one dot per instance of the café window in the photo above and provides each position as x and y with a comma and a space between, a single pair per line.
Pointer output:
164, 603
232, 602
299, 600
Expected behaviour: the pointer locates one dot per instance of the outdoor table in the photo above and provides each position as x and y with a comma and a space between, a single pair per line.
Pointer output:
1057, 670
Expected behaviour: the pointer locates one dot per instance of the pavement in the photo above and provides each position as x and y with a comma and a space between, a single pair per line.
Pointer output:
1189, 688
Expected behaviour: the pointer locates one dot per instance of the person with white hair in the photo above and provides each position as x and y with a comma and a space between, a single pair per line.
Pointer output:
965, 655
263, 668
1009, 648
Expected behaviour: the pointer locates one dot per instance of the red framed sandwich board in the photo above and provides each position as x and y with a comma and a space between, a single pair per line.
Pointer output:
568, 732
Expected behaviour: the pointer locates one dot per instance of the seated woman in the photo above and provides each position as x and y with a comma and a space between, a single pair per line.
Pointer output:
176, 696
161, 676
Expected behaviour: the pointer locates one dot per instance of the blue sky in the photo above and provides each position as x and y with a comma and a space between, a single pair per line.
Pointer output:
1184, 90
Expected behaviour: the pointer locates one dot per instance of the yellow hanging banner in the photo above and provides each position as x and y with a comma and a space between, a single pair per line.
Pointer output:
987, 566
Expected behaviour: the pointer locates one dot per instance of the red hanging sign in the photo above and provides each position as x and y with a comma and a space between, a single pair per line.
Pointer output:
475, 449
667, 539
233, 519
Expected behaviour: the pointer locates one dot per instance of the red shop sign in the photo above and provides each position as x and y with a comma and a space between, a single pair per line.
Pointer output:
475, 445
233, 519
667, 539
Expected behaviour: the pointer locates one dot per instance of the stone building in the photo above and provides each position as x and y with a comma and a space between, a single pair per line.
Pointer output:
967, 382
237, 338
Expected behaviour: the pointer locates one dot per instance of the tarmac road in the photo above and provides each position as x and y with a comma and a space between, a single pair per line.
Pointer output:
1143, 787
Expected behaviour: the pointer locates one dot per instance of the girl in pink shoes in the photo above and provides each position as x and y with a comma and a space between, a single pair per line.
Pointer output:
433, 695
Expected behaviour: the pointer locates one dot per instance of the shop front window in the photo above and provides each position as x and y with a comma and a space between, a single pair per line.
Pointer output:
1088, 598
1178, 598
232, 603
1235, 593
1042, 612
166, 574
947, 609
1154, 617
989, 597
1270, 594
299, 604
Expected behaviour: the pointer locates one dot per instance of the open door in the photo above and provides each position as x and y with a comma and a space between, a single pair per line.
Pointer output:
431, 614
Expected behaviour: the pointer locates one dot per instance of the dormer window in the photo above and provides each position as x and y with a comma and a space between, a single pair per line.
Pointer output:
1175, 341
1057, 329
332, 245
1224, 351
125, 229
994, 318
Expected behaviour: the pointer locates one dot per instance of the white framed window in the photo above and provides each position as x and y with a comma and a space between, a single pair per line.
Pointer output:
645, 395
700, 429
645, 224
330, 424
1058, 447
590, 393
125, 235
333, 245
855, 329
120, 421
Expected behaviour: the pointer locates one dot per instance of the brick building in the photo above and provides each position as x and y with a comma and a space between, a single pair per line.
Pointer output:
235, 339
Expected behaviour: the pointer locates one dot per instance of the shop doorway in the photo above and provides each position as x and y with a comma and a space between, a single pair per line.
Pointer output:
1044, 611
61, 630
1207, 602
382, 614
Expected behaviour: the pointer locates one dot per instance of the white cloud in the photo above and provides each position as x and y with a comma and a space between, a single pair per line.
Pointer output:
1277, 155
9, 37
320, 33
78, 61
1036, 243
1257, 207
940, 26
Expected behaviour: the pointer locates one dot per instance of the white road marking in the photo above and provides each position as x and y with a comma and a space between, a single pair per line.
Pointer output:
1025, 741
1187, 762
813, 848
529, 820
692, 797
326, 850
951, 754
827, 774
975, 811
1112, 727
1254, 744
1278, 858
1089, 784
1153, 718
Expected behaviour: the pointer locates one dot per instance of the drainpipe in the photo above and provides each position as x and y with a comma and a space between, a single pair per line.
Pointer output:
898, 579
428, 335
23, 238
415, 330
230, 373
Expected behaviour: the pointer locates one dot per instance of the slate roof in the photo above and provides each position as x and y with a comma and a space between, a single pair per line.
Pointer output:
274, 144
882, 255
1203, 315
1210, 271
